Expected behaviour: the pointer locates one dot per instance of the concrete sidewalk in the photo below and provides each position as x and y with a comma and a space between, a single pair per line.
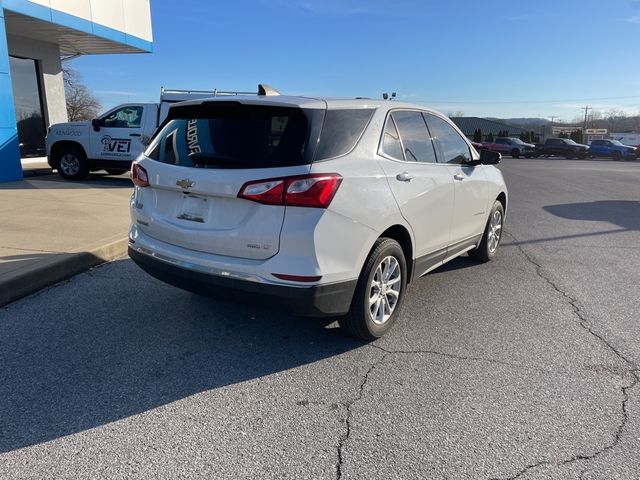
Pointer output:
51, 229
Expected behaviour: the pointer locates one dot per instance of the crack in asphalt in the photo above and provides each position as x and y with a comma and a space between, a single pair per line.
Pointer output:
584, 323
347, 405
464, 358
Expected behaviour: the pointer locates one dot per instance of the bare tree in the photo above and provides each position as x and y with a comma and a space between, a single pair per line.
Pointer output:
615, 118
456, 113
81, 103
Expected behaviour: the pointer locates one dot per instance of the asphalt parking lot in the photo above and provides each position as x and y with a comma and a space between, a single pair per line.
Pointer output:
526, 367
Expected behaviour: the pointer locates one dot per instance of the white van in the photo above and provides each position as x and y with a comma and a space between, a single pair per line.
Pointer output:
116, 138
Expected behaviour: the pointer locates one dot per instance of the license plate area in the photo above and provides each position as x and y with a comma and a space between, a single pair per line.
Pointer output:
193, 209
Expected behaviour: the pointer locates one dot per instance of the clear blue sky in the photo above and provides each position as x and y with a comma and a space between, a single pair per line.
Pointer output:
486, 58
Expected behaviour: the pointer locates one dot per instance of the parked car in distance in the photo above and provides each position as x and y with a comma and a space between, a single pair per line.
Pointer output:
327, 207
510, 146
562, 147
113, 140
611, 148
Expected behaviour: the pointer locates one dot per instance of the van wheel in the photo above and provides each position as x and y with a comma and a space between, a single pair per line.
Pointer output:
71, 163
379, 293
488, 247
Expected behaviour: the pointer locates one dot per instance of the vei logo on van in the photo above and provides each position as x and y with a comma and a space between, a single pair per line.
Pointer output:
115, 145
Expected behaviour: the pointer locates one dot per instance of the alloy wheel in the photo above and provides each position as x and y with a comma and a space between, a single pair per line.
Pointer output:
69, 164
384, 290
495, 230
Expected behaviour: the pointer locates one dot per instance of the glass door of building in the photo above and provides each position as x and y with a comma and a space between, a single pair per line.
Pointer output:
28, 103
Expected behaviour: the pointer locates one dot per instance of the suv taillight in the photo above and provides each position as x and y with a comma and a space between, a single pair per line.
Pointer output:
315, 190
139, 175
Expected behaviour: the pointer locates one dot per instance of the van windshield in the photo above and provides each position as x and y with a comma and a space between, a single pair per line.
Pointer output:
233, 135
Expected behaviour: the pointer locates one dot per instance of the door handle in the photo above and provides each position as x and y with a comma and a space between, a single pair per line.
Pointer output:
135, 135
459, 176
404, 177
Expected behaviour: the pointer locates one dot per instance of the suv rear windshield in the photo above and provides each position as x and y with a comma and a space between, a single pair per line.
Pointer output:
232, 135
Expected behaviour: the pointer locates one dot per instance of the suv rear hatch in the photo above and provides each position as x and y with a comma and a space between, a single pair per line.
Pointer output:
204, 155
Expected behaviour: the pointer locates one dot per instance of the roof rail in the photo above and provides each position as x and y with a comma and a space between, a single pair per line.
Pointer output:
214, 93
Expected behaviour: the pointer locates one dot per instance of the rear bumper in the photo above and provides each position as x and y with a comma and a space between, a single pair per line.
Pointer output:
318, 300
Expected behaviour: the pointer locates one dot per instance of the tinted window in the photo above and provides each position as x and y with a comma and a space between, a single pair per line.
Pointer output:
415, 137
391, 141
501, 140
554, 141
234, 136
125, 117
451, 146
598, 142
28, 105
341, 131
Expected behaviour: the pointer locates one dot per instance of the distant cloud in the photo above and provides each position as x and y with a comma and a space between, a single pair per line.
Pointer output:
635, 19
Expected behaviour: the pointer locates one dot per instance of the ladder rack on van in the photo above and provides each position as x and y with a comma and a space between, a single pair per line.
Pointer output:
170, 94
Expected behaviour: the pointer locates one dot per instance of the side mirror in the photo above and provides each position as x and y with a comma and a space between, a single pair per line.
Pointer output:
95, 123
488, 157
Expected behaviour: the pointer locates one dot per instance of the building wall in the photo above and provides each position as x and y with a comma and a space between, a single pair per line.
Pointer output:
10, 168
52, 86
126, 21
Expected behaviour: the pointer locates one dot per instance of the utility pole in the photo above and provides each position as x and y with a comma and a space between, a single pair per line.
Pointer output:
552, 117
584, 128
586, 111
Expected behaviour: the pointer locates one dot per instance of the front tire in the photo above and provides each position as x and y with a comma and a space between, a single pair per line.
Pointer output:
616, 155
488, 247
71, 163
515, 153
379, 293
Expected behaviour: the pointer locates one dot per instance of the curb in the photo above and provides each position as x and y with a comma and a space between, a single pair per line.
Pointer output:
34, 172
59, 267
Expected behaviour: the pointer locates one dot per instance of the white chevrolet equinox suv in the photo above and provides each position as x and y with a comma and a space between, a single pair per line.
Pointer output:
328, 207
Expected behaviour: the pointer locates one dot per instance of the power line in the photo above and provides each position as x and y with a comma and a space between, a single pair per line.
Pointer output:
522, 101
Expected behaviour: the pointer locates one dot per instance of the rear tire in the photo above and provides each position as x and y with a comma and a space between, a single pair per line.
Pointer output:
379, 293
71, 163
488, 247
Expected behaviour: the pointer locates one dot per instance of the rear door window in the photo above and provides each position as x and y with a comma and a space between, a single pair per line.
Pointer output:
390, 144
232, 135
415, 136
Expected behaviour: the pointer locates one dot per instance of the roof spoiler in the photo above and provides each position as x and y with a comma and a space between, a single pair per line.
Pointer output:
267, 90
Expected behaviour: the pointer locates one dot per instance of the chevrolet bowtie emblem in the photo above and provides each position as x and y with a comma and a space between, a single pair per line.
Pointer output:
185, 183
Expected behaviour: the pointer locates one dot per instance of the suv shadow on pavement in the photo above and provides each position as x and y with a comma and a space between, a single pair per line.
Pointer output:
624, 213
95, 180
82, 354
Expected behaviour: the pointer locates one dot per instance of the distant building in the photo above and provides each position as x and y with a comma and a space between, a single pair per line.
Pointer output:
35, 36
469, 125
